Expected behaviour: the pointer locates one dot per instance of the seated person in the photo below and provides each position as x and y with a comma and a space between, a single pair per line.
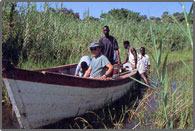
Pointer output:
143, 65
131, 56
84, 68
81, 68
100, 66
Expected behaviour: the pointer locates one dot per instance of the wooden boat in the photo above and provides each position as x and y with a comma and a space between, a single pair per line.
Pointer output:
42, 97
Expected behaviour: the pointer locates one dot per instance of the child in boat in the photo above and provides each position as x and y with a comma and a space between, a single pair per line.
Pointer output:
131, 56
100, 66
83, 66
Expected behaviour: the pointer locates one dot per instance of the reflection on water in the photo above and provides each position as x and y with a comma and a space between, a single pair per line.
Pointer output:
174, 85
150, 104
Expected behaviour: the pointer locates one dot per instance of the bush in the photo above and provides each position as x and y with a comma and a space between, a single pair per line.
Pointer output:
59, 36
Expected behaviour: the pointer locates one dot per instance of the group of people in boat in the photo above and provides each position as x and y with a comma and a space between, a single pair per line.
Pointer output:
106, 55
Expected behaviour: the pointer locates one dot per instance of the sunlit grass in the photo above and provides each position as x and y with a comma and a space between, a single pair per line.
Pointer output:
58, 41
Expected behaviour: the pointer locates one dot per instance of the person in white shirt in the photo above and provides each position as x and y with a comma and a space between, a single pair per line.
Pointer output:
83, 65
143, 65
131, 56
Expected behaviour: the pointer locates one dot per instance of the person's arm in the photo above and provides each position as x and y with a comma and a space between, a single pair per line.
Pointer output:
87, 73
125, 60
116, 48
148, 66
118, 56
108, 72
135, 56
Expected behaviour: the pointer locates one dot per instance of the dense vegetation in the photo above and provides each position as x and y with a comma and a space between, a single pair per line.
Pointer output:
34, 39
57, 35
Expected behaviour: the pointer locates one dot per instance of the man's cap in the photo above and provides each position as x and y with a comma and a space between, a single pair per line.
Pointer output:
94, 44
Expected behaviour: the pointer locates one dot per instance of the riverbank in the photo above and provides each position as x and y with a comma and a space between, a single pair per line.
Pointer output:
178, 113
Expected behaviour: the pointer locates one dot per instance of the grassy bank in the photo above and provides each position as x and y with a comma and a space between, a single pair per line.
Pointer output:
179, 110
47, 39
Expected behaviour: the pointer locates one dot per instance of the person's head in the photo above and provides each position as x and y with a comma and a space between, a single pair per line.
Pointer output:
95, 49
106, 30
126, 44
84, 66
142, 51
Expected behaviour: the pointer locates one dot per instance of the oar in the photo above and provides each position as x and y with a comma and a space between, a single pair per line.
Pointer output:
126, 72
141, 83
136, 79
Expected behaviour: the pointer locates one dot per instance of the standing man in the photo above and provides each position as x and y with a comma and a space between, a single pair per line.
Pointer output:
109, 45
145, 60
143, 65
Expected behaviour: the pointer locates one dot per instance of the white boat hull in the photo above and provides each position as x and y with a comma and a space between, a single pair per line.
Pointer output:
38, 104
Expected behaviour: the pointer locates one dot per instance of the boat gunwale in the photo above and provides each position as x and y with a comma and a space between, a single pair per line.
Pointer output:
57, 68
48, 77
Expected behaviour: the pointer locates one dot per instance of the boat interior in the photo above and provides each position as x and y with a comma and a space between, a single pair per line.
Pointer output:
66, 69
70, 70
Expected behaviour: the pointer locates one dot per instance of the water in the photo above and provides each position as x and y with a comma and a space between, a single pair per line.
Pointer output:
174, 85
151, 105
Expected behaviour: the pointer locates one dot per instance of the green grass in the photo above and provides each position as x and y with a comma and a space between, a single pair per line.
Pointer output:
50, 37
53, 39
175, 108
180, 102
174, 57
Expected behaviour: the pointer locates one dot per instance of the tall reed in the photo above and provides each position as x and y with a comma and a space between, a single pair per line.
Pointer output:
49, 35
51, 38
